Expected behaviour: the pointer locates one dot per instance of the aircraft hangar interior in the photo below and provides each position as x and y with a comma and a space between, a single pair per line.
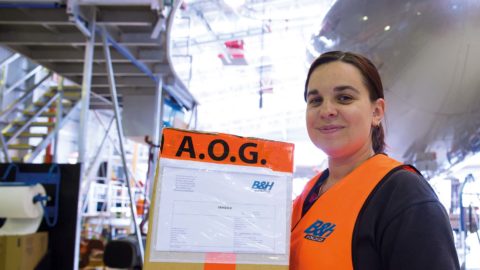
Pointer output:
185, 134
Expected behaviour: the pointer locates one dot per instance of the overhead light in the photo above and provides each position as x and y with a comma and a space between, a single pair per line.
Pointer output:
419, 13
328, 42
365, 18
234, 3
387, 28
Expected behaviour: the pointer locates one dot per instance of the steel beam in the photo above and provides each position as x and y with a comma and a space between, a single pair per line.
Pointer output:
131, 90
6, 156
39, 38
73, 55
100, 106
116, 2
85, 106
86, 86
33, 17
128, 17
102, 99
16, 38
123, 82
33, 2
111, 80
140, 81
58, 17
58, 120
127, 54
69, 55
121, 69
156, 136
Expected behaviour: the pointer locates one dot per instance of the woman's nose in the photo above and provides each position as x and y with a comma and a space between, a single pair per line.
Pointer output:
328, 110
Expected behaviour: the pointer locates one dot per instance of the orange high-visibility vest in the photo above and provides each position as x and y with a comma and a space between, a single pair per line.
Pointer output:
322, 238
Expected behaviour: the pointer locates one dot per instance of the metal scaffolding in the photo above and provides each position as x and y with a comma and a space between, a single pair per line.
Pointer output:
68, 37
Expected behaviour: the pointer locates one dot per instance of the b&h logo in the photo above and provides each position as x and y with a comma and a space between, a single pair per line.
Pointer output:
262, 186
319, 231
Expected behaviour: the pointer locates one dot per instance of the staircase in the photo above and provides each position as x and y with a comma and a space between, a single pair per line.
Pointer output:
34, 128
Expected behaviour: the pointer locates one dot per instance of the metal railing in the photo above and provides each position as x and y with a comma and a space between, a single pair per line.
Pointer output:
13, 107
9, 60
22, 80
20, 101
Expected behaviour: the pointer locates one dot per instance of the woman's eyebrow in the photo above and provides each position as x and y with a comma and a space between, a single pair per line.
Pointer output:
342, 88
313, 92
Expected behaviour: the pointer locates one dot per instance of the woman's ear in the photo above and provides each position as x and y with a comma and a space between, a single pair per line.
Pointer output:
378, 111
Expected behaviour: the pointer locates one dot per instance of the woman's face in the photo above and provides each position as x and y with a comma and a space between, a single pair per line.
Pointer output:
340, 114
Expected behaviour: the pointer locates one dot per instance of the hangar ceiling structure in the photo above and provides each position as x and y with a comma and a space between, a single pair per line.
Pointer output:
426, 52
53, 34
255, 89
245, 61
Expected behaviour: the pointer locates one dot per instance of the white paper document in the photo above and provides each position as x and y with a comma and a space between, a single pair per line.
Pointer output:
218, 210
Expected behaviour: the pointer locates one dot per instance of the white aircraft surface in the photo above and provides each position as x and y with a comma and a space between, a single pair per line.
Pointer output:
428, 54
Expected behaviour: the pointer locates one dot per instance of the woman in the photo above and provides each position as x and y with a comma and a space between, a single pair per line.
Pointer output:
366, 211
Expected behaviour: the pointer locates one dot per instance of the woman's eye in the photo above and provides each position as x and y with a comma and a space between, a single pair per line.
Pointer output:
344, 98
315, 101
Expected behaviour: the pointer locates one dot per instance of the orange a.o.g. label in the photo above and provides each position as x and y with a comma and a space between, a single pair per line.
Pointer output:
227, 149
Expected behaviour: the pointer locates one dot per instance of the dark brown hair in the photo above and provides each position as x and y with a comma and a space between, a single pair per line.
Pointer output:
371, 79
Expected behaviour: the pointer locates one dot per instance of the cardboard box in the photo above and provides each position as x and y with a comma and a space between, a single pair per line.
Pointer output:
22, 252
214, 195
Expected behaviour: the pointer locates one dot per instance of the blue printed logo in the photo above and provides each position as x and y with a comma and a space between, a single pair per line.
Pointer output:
262, 186
319, 231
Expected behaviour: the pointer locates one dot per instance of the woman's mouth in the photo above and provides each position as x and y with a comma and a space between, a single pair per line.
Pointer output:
328, 129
